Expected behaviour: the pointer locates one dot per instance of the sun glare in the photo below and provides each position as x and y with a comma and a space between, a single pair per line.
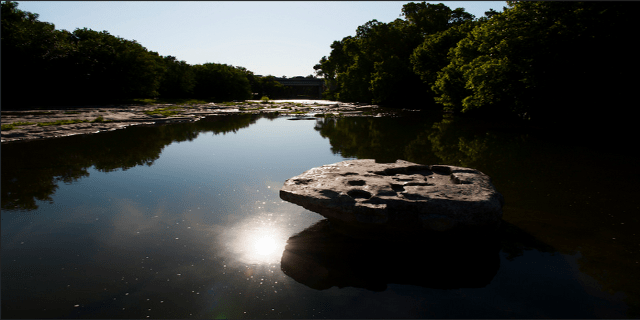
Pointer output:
260, 244
264, 245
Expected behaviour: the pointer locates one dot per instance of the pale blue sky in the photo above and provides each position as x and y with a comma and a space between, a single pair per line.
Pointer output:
277, 38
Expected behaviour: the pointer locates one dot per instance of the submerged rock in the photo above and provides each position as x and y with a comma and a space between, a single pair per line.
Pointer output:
364, 198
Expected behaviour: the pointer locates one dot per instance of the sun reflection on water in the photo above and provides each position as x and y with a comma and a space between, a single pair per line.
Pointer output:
256, 242
263, 243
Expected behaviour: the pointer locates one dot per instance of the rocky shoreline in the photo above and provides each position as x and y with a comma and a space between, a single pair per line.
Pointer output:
28, 125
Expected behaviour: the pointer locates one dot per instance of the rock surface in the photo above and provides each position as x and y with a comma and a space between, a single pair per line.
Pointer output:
362, 197
118, 117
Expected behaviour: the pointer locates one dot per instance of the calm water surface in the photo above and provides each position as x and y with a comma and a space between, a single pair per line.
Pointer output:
185, 221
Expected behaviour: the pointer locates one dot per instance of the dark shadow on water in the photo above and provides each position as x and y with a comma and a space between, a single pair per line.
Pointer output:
321, 258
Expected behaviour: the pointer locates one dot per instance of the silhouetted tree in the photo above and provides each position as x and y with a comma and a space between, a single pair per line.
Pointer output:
178, 80
375, 65
545, 61
221, 82
51, 66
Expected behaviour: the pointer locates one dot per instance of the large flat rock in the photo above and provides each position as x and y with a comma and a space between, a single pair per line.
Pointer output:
400, 197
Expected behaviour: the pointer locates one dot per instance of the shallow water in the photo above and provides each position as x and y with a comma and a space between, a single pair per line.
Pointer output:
185, 221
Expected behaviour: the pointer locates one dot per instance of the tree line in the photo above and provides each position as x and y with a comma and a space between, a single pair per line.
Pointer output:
45, 66
542, 61
535, 60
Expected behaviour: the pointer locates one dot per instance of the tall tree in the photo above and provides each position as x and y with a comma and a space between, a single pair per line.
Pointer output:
111, 67
37, 53
393, 80
434, 18
375, 64
542, 60
434, 53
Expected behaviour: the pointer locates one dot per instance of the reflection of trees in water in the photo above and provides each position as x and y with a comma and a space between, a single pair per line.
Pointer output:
382, 139
456, 149
32, 170
556, 192
420, 139
471, 144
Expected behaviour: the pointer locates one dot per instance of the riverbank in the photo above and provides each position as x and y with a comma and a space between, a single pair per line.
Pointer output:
27, 125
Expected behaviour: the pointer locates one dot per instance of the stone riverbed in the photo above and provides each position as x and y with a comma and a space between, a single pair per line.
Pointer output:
28, 124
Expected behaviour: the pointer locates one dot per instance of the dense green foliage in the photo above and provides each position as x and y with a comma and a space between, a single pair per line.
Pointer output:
375, 65
541, 61
58, 67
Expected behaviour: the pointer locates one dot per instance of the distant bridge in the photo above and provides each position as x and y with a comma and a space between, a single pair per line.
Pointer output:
304, 86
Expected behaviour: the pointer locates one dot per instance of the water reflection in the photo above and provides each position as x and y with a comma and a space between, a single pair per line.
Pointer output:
192, 237
558, 189
257, 240
33, 169
322, 258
